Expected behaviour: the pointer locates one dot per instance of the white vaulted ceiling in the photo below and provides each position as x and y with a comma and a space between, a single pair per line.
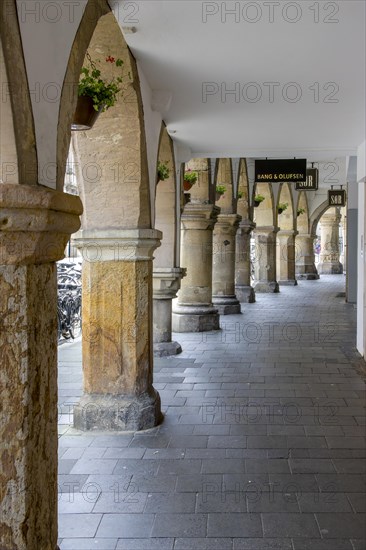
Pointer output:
178, 53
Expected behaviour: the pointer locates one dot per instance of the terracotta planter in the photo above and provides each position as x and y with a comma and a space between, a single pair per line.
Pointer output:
218, 196
85, 115
187, 185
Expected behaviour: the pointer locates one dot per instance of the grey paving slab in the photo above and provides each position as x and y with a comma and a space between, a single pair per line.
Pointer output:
234, 525
263, 544
180, 525
88, 544
125, 526
145, 544
288, 525
78, 525
203, 544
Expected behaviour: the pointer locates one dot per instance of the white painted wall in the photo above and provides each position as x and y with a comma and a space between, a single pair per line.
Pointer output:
361, 271
47, 30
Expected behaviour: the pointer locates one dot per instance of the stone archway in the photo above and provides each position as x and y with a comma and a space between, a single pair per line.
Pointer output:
167, 274
194, 311
224, 240
286, 237
265, 240
244, 290
117, 244
305, 258
36, 223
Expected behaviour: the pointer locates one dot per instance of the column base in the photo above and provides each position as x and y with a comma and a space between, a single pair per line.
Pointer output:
118, 412
245, 294
266, 286
195, 319
288, 282
226, 305
307, 276
163, 349
330, 269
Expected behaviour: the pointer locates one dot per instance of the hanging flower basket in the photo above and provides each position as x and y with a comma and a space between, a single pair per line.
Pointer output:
187, 185
95, 93
85, 115
258, 199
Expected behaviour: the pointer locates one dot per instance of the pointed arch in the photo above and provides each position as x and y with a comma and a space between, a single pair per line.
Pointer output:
224, 177
285, 220
264, 214
303, 218
112, 158
243, 207
166, 205
19, 160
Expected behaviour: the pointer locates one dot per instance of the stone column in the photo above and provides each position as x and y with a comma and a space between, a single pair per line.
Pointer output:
343, 256
305, 257
166, 283
329, 254
286, 257
117, 331
243, 289
193, 311
35, 226
223, 272
265, 259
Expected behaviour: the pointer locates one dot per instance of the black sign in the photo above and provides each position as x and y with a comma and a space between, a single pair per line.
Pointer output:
337, 197
311, 183
289, 170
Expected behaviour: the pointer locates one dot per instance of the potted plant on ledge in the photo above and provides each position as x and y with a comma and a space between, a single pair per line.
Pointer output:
95, 94
163, 171
282, 207
220, 190
190, 178
300, 211
258, 199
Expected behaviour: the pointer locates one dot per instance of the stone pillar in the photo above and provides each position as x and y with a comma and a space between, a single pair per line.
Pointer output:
243, 289
305, 257
117, 331
329, 254
286, 257
223, 272
193, 311
265, 259
35, 226
343, 256
166, 283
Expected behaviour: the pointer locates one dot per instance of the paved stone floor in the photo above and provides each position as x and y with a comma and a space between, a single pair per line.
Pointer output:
262, 446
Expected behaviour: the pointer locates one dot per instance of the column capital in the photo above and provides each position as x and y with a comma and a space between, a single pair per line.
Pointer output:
266, 229
227, 224
166, 282
287, 233
35, 223
247, 225
127, 245
199, 216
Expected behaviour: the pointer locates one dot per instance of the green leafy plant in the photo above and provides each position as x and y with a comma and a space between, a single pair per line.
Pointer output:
282, 206
190, 176
163, 171
240, 194
103, 92
220, 189
301, 211
259, 198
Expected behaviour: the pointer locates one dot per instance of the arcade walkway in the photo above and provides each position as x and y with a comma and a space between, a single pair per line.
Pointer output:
262, 446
